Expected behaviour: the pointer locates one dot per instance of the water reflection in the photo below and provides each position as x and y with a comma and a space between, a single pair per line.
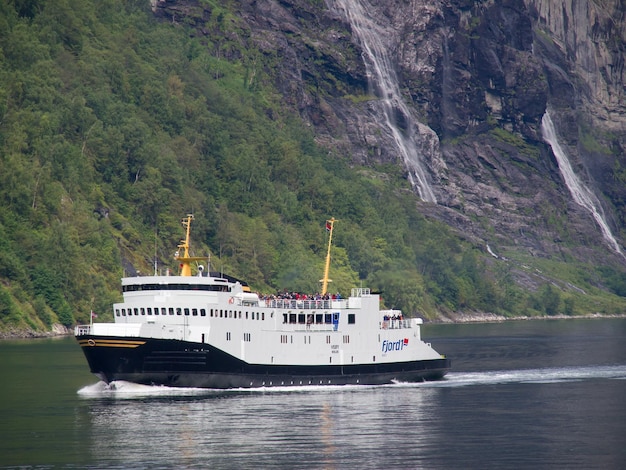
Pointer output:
319, 427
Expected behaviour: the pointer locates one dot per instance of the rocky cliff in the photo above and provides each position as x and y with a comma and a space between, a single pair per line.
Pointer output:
456, 92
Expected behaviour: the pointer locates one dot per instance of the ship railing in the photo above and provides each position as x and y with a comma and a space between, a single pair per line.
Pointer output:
396, 324
302, 304
360, 292
81, 330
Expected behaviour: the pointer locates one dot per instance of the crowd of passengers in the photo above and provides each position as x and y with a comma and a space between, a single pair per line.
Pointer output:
298, 296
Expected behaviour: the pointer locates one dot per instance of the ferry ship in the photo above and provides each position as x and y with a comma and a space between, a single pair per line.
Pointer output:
208, 330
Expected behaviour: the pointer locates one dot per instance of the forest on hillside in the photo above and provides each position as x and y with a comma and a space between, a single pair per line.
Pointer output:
114, 126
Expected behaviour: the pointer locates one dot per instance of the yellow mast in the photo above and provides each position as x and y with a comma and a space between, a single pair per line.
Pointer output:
329, 226
185, 260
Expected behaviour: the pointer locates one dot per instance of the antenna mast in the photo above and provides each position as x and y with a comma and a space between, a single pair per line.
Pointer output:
156, 248
184, 259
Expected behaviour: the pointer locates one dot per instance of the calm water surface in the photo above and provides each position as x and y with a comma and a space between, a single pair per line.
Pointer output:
540, 394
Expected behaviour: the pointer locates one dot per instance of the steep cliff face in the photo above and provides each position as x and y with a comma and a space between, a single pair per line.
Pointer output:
583, 48
466, 85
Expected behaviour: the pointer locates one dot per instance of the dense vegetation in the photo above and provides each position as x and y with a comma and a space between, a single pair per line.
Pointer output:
113, 126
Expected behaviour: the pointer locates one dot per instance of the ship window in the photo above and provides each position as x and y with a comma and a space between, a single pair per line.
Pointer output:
246, 315
221, 313
328, 318
156, 311
301, 318
149, 311
203, 312
351, 319
163, 311
147, 287
187, 311
346, 339
240, 314
262, 315
228, 336
327, 339
171, 310
211, 312
284, 318
257, 315
179, 311
123, 312
319, 318
136, 311
143, 311
117, 312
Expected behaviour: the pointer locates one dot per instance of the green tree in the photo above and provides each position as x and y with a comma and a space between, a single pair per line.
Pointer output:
550, 299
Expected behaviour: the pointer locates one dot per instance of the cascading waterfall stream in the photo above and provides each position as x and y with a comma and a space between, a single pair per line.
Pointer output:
582, 195
384, 84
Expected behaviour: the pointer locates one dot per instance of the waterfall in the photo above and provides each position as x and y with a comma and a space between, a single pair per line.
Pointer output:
383, 81
582, 195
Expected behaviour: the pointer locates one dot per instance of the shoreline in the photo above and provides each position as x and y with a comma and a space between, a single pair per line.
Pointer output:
59, 331
461, 318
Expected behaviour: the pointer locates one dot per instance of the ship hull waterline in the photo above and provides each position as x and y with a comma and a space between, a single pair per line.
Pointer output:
176, 363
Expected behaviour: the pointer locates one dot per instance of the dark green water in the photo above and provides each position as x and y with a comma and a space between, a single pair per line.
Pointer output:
42, 416
521, 395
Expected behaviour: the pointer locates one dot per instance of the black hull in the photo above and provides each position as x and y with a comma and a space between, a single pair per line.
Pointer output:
184, 364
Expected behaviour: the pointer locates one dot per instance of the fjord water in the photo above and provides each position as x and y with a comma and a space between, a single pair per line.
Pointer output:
523, 394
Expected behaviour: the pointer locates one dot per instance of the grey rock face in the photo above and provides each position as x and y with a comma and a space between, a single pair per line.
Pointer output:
475, 80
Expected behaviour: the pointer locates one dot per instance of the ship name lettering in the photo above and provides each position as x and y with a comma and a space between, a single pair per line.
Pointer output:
399, 345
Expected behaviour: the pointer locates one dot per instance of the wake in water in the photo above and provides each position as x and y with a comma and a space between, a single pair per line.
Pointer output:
552, 375
122, 389
128, 390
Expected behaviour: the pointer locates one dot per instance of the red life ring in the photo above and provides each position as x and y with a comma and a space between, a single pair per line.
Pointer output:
231, 300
